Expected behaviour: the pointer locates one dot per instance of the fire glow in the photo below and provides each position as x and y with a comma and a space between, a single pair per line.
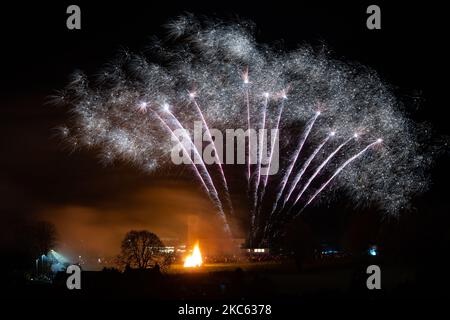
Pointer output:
194, 259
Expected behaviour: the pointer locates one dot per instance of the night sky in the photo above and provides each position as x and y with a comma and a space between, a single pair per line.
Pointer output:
42, 179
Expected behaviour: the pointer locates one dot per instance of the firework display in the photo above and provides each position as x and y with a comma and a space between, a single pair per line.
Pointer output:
340, 127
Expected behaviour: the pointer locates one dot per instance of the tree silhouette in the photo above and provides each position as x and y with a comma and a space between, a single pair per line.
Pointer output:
43, 235
142, 250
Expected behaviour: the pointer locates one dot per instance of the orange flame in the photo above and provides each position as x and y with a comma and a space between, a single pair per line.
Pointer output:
195, 259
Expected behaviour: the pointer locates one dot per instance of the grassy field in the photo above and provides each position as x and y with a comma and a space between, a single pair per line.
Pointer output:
287, 279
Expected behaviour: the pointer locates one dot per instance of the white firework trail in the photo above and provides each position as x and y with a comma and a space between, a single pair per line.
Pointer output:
273, 142
247, 101
213, 196
216, 154
277, 126
261, 148
342, 167
318, 170
294, 160
198, 159
304, 167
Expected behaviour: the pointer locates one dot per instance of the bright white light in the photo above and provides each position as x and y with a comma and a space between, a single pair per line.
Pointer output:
266, 94
355, 135
318, 112
332, 133
192, 95
166, 107
379, 140
143, 106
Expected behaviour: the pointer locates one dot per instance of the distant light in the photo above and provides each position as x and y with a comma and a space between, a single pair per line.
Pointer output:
266, 94
318, 112
246, 80
192, 95
329, 251
355, 135
379, 140
373, 251
166, 107
332, 133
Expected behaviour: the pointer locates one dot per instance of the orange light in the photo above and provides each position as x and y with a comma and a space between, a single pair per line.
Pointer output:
195, 259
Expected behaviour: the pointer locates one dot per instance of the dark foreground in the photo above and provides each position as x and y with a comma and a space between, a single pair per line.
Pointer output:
261, 283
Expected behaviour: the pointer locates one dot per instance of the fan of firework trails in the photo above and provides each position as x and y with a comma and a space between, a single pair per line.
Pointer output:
340, 128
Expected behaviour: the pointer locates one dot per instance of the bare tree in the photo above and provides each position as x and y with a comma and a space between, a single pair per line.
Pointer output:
142, 250
44, 236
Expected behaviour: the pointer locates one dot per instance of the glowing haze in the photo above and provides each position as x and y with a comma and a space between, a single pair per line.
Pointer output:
341, 128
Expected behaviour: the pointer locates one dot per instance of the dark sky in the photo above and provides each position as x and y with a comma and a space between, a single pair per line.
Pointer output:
40, 178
